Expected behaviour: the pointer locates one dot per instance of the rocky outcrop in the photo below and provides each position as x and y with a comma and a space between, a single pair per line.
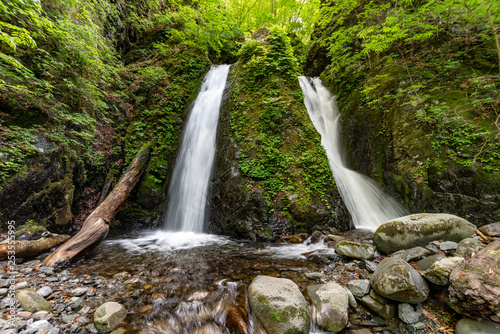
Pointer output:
279, 305
420, 229
331, 304
395, 279
475, 284
271, 175
43, 191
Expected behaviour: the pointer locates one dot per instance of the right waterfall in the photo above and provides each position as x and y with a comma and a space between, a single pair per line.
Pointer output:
368, 204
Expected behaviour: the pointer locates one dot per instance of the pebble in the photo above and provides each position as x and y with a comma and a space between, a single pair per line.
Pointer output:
3, 291
78, 292
448, 245
44, 291
21, 285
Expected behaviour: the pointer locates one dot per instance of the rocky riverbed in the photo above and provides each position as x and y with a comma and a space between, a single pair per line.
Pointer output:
77, 300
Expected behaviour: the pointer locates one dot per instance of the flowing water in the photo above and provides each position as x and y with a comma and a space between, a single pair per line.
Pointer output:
188, 190
368, 204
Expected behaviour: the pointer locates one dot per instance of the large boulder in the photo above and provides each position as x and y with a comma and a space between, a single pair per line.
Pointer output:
420, 229
32, 302
469, 326
279, 305
395, 279
331, 303
475, 284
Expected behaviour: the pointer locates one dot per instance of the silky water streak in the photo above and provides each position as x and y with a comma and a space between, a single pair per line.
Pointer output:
368, 204
188, 190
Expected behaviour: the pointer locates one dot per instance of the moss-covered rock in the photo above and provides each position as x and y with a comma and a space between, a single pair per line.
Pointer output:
271, 174
420, 229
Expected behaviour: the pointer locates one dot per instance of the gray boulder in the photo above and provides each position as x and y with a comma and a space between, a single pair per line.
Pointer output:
491, 230
420, 229
355, 250
468, 247
439, 272
395, 279
469, 326
32, 302
331, 303
279, 305
109, 316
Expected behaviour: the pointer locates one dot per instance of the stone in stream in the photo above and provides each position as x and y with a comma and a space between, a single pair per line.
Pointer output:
385, 309
448, 245
468, 247
395, 279
439, 272
40, 326
409, 313
279, 305
32, 302
331, 303
491, 230
355, 250
420, 229
109, 316
469, 326
44, 291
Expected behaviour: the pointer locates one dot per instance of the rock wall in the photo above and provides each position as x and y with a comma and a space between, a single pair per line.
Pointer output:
271, 175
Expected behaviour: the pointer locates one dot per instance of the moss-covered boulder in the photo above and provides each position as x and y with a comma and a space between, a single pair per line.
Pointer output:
279, 305
355, 250
420, 229
395, 279
271, 174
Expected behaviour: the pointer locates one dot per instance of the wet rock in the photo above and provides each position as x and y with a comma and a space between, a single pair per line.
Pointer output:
46, 270
279, 305
32, 302
448, 245
78, 292
109, 316
368, 265
409, 313
42, 315
419, 229
236, 320
385, 310
355, 250
427, 262
474, 285
44, 291
40, 326
412, 254
359, 287
439, 272
469, 326
395, 279
122, 275
491, 230
3, 291
331, 303
468, 247
21, 285
314, 276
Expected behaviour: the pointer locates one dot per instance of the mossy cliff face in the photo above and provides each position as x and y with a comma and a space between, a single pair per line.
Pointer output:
42, 191
422, 119
271, 175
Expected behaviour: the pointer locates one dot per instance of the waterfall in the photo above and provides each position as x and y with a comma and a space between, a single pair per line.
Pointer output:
189, 186
368, 204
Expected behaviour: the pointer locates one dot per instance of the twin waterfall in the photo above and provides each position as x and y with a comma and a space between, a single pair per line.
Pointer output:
191, 176
367, 203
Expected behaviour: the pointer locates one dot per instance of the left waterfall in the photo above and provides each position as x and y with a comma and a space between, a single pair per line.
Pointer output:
187, 193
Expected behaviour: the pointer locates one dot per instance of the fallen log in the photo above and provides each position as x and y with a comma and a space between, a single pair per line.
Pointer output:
31, 248
96, 226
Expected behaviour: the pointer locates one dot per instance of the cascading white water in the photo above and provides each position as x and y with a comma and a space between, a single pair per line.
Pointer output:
368, 204
188, 189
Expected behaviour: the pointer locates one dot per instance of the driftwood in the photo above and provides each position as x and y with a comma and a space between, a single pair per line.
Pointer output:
96, 226
31, 248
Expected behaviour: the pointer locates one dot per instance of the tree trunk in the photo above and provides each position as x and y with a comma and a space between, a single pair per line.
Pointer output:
31, 248
96, 226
